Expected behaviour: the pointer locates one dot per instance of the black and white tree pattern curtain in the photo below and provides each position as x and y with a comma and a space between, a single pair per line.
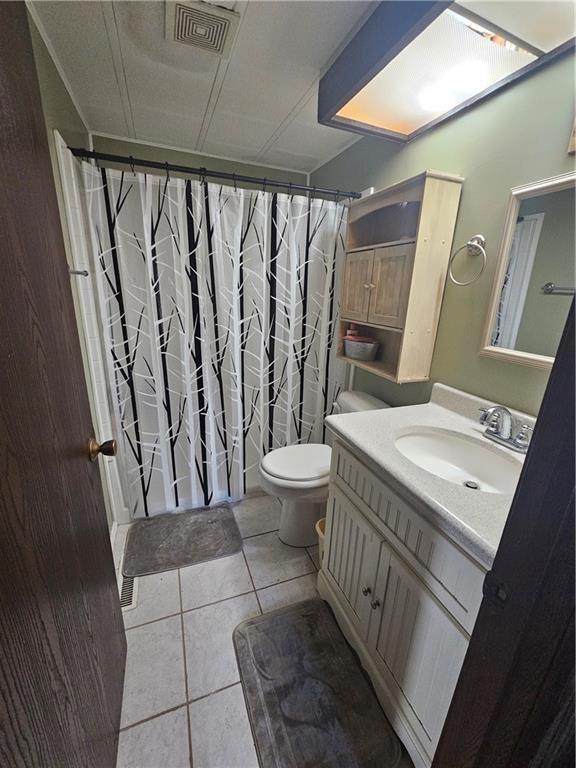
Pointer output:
218, 310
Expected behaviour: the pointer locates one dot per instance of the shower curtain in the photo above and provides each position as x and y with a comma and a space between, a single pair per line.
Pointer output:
218, 312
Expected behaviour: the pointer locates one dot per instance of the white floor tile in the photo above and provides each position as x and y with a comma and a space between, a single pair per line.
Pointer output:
210, 658
221, 735
315, 555
158, 743
257, 514
154, 680
270, 561
220, 579
288, 592
157, 597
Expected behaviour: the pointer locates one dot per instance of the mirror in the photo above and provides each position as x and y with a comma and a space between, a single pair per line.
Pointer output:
535, 279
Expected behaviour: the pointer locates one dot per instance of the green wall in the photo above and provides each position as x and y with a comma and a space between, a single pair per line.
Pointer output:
516, 137
149, 152
59, 113
59, 110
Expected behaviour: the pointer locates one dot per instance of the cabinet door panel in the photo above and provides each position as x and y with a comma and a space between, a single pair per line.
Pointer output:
418, 644
351, 557
356, 287
391, 276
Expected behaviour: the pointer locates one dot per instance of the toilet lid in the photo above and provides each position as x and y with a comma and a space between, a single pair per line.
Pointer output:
308, 461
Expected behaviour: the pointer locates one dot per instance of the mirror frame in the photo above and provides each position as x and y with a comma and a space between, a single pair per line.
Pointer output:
517, 194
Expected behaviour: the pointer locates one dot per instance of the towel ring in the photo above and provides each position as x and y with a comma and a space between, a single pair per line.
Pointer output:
475, 247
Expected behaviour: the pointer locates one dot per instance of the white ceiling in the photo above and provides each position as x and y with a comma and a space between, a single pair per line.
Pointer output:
259, 106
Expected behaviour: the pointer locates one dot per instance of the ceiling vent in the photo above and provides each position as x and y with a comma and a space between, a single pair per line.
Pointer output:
202, 25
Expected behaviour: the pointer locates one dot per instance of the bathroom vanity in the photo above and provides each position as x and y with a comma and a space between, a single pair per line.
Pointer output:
407, 549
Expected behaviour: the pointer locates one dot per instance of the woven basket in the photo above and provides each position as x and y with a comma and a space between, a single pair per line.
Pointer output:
360, 350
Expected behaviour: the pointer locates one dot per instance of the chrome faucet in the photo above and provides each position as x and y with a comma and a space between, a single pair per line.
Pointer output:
503, 428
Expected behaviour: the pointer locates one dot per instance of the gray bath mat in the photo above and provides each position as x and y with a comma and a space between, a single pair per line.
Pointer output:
309, 702
179, 539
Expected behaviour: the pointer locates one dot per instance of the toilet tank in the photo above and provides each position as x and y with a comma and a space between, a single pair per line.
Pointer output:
352, 401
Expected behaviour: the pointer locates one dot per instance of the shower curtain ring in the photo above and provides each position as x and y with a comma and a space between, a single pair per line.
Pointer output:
235, 182
264, 180
290, 189
202, 175
131, 159
167, 171
337, 196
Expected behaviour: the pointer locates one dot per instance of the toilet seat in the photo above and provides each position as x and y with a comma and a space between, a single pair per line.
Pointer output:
283, 485
305, 465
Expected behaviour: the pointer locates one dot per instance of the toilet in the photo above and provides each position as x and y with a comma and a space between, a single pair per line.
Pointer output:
299, 475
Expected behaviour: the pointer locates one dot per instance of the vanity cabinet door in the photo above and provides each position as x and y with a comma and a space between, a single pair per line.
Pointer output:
351, 558
391, 277
417, 645
356, 287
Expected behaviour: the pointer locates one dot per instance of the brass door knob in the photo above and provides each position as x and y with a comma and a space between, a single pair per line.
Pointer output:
107, 448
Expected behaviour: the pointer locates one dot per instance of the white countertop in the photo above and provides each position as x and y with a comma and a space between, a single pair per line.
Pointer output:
473, 519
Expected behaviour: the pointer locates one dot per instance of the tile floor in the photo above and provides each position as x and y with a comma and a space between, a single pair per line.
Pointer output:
183, 702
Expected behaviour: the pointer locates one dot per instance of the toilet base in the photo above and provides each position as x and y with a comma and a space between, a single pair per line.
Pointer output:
298, 522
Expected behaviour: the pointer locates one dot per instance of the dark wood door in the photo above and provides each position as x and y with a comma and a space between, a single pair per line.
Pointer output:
62, 645
513, 706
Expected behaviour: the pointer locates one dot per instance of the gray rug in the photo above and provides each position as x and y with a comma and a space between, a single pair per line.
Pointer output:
309, 702
178, 539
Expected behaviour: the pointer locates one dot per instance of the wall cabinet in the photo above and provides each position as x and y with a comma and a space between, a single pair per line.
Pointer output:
405, 595
398, 247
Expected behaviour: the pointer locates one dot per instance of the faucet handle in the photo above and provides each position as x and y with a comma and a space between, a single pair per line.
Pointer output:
494, 422
491, 417
523, 437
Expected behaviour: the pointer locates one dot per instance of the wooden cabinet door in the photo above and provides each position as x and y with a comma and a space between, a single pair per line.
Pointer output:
351, 558
416, 642
357, 281
391, 278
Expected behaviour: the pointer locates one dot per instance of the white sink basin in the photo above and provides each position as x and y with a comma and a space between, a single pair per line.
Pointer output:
462, 460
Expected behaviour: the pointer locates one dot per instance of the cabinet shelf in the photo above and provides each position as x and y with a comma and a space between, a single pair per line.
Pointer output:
387, 328
379, 368
404, 241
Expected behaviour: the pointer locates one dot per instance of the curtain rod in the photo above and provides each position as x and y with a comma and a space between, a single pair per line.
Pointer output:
205, 172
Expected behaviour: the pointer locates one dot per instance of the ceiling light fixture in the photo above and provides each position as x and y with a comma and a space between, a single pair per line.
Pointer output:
459, 83
414, 65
